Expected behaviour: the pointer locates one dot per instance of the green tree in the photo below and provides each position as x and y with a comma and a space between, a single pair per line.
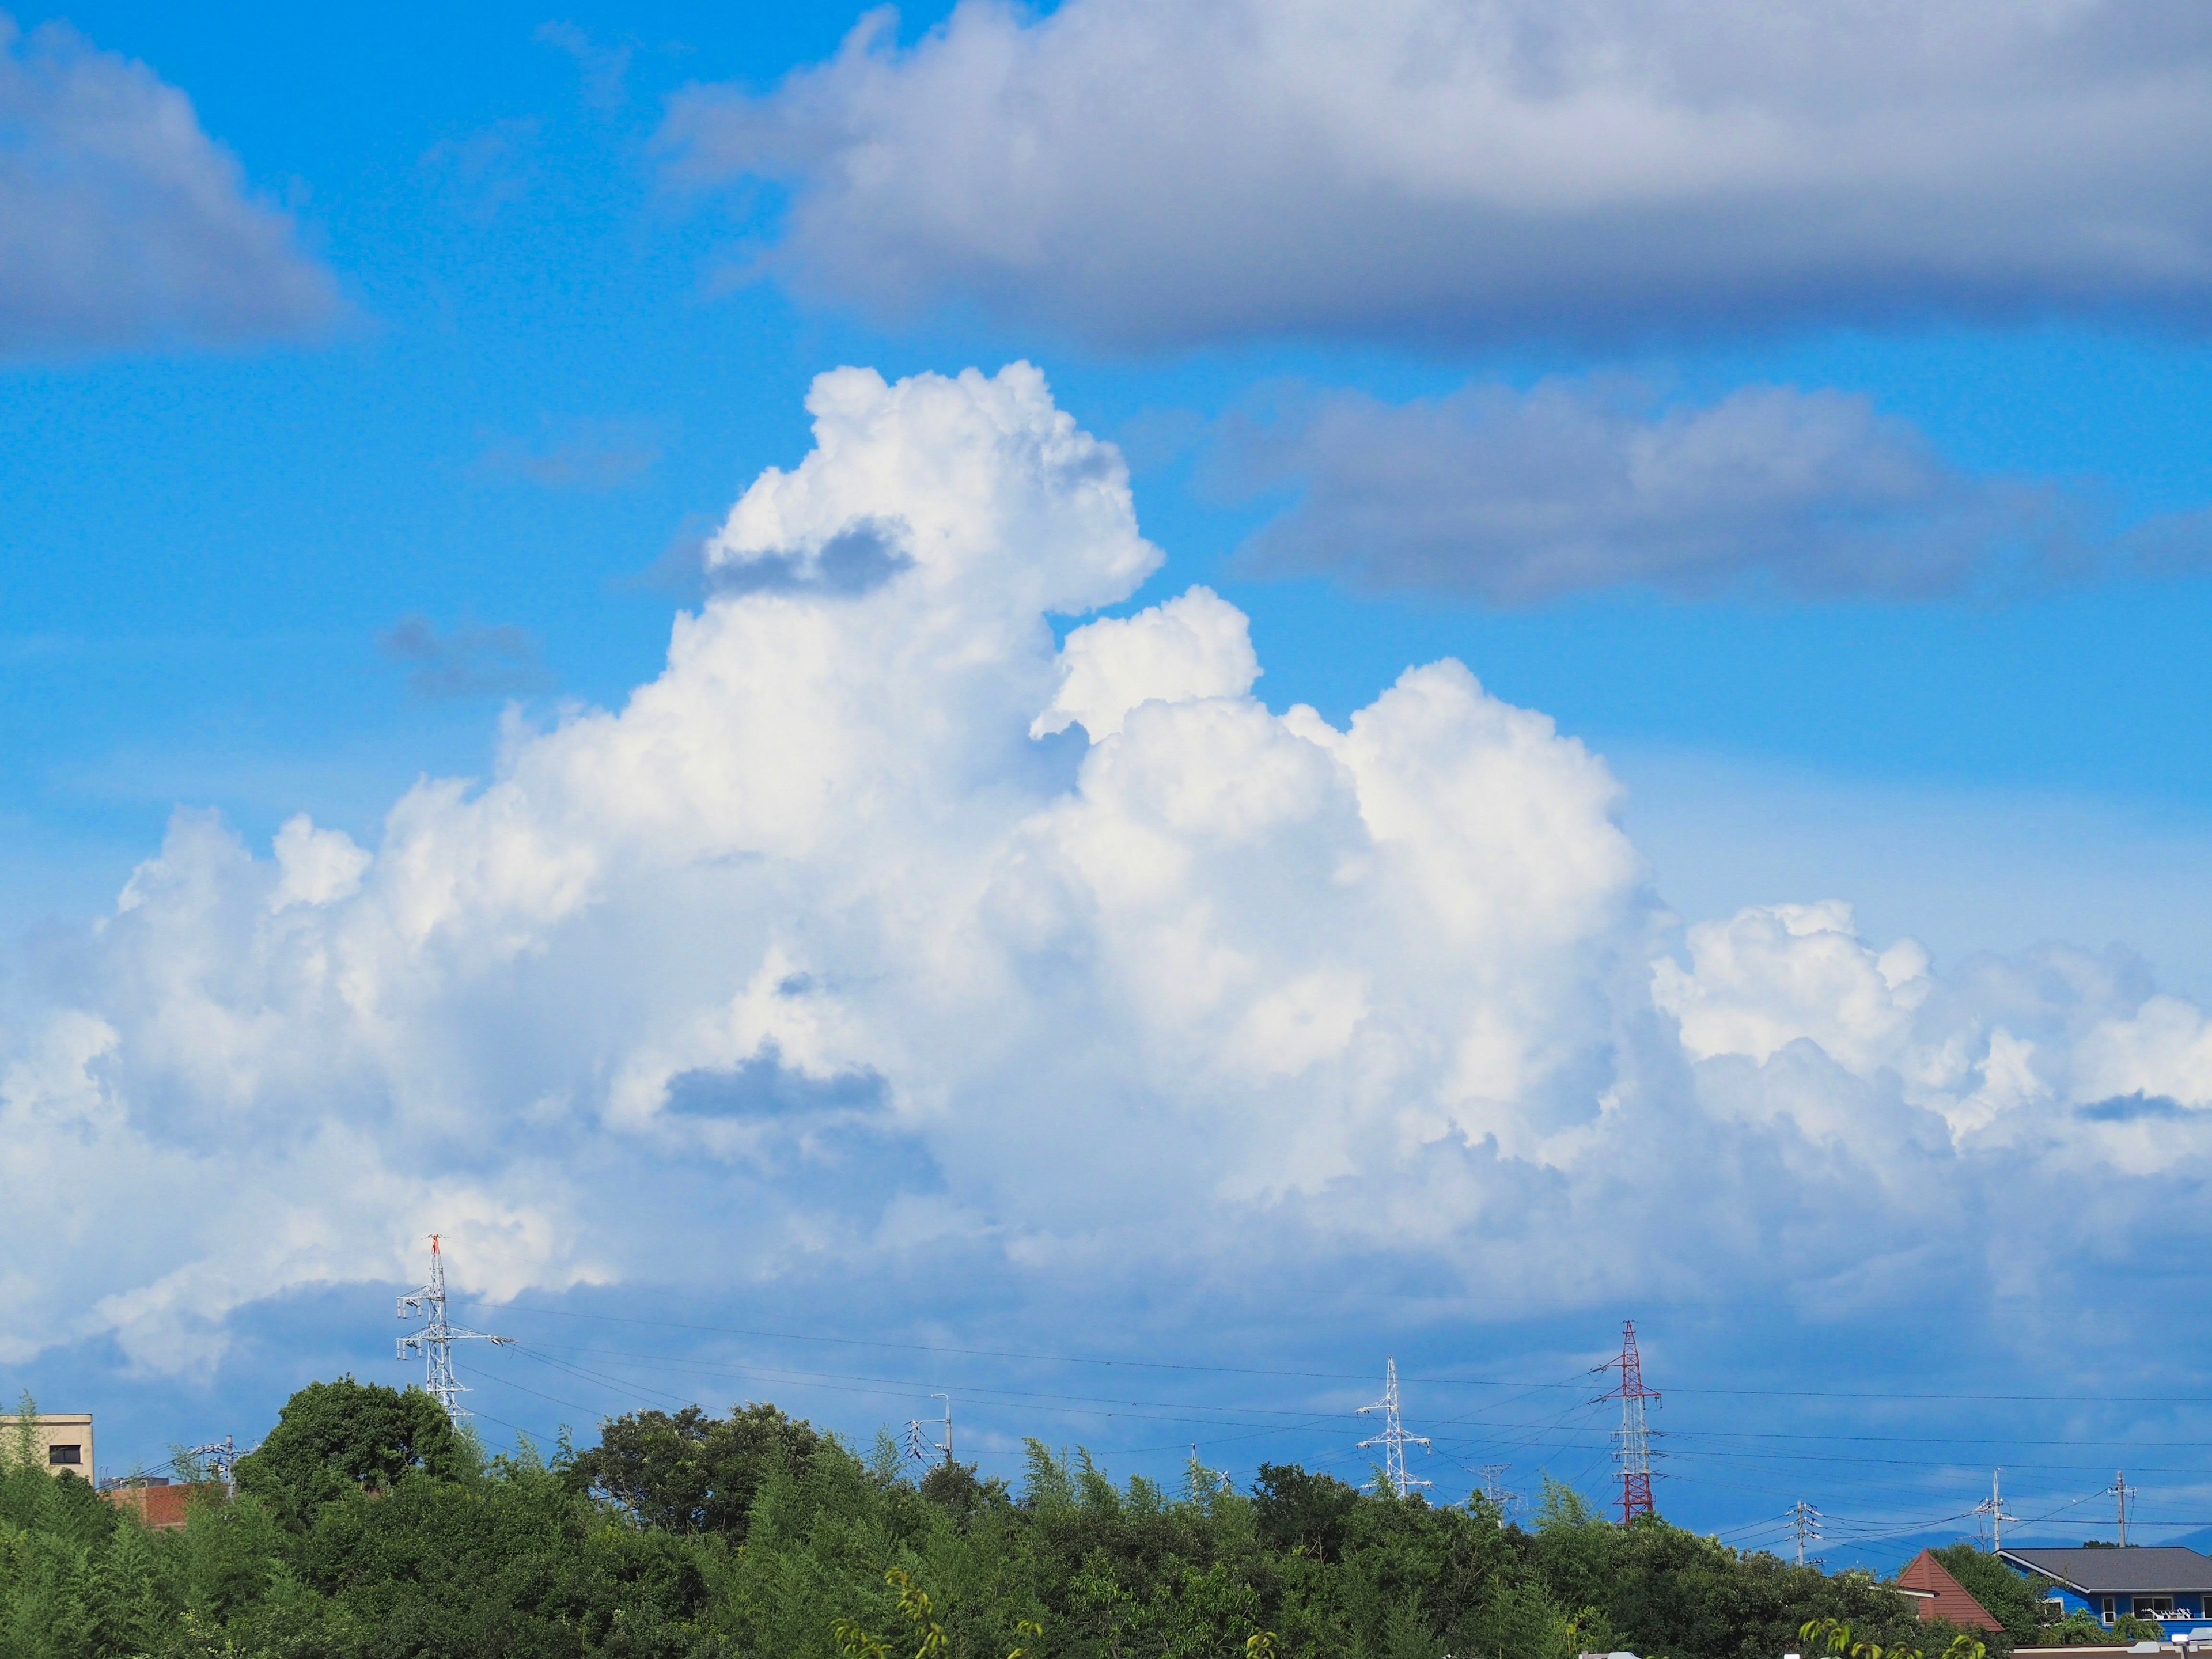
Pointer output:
1308, 1513
692, 1473
333, 1438
2013, 1599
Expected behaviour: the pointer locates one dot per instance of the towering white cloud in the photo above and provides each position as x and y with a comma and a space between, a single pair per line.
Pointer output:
877, 919
1152, 173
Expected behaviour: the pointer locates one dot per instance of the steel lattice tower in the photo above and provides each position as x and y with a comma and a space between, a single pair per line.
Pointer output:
434, 1342
1634, 1436
220, 1456
1393, 1438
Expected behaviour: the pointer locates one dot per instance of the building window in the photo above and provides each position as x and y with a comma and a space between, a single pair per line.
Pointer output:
2108, 1610
2054, 1608
2154, 1607
64, 1454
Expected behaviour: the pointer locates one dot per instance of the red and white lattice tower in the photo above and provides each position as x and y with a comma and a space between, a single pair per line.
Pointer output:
1633, 1449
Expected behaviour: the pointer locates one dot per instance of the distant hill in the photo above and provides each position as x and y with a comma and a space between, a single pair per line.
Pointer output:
1884, 1556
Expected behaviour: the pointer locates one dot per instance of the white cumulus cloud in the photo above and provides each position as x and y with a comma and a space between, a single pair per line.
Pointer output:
1142, 171
811, 957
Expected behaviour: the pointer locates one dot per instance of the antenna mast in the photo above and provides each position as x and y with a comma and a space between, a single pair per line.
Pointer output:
434, 1342
1393, 1438
1634, 1436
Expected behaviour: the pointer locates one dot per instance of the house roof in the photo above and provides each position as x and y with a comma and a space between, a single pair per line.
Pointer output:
1953, 1603
2144, 1568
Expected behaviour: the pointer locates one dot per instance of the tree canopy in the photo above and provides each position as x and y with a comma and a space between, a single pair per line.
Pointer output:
334, 1437
366, 1528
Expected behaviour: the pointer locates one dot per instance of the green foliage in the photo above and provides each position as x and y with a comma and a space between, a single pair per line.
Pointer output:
692, 1473
365, 1530
2076, 1630
332, 1439
2015, 1601
1303, 1513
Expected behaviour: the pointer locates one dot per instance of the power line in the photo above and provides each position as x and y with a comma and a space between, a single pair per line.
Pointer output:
1349, 1376
1718, 1447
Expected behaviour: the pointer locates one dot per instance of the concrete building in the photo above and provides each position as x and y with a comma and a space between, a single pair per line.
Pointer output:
61, 1442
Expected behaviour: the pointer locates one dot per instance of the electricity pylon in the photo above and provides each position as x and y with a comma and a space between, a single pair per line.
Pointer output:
434, 1342
220, 1458
1633, 1448
1393, 1438
1493, 1488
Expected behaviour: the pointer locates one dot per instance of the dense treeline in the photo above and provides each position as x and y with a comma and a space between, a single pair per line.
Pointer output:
366, 1526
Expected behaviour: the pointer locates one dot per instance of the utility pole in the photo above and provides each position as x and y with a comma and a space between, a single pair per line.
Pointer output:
1993, 1506
434, 1342
1393, 1438
925, 1451
2120, 1494
1634, 1435
1807, 1522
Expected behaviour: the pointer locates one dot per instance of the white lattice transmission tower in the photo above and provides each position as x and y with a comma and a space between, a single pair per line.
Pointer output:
1393, 1439
220, 1458
434, 1342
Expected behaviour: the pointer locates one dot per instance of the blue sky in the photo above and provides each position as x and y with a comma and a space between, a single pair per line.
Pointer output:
1881, 586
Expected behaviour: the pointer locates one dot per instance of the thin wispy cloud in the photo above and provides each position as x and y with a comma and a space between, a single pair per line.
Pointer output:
123, 224
603, 70
489, 168
581, 454
472, 661
1146, 173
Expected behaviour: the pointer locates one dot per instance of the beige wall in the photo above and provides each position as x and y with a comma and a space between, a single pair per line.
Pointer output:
59, 1429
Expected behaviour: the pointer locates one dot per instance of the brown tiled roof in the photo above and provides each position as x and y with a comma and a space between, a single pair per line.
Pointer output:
1951, 1601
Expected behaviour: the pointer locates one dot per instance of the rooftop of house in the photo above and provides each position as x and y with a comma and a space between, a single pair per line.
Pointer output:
1941, 1596
2138, 1568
